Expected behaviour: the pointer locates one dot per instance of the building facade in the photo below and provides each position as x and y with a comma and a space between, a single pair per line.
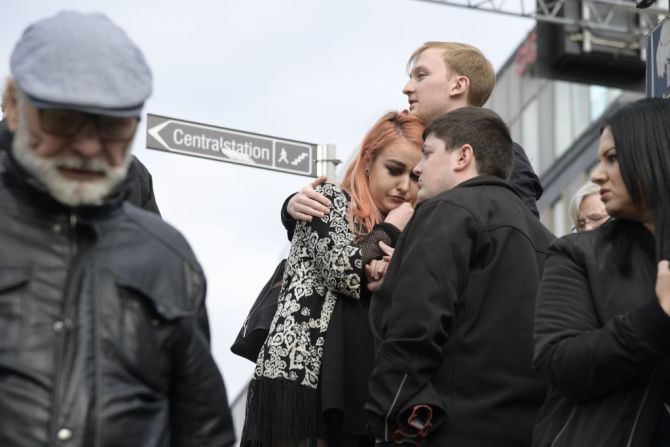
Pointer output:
558, 125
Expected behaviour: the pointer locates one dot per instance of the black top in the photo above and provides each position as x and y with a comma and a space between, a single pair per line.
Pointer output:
453, 321
602, 340
347, 364
524, 181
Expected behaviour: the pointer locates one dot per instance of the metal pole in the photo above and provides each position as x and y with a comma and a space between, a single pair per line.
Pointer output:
326, 161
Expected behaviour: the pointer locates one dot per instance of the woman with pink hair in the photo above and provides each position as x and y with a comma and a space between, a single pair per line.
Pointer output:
310, 382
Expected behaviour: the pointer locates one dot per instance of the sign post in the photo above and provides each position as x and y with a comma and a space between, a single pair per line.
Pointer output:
234, 146
658, 61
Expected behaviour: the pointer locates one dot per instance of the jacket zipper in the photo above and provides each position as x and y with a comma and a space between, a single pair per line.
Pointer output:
387, 438
565, 426
73, 238
97, 437
59, 378
639, 410
637, 416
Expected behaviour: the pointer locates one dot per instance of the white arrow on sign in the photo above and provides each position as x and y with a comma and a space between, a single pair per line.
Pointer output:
229, 145
154, 132
233, 155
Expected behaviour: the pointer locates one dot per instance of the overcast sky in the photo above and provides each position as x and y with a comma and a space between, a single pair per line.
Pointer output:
320, 71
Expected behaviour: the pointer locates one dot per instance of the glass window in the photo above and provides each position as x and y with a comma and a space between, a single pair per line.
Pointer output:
530, 139
601, 98
530, 86
545, 107
502, 100
598, 101
558, 218
513, 84
579, 107
515, 130
613, 94
562, 118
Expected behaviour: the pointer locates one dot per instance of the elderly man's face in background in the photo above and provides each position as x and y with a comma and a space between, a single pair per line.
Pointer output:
71, 153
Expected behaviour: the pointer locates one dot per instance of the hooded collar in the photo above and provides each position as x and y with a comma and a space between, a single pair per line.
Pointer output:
486, 180
480, 180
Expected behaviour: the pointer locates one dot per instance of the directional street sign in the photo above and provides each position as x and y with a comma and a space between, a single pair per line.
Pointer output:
234, 146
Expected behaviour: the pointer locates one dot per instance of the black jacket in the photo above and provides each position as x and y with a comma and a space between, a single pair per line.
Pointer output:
602, 340
5, 136
453, 321
140, 191
524, 181
104, 339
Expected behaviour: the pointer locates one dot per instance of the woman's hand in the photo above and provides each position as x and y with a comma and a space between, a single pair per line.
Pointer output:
308, 203
387, 250
400, 216
663, 285
376, 269
374, 273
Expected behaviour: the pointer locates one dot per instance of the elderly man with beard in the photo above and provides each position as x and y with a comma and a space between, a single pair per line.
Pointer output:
139, 190
104, 338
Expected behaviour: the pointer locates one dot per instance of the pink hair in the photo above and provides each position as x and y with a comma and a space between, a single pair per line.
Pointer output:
393, 126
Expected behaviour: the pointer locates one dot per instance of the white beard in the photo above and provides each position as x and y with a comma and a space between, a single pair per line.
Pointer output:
68, 191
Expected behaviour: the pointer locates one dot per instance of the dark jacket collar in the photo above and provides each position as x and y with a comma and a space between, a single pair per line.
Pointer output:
480, 180
489, 180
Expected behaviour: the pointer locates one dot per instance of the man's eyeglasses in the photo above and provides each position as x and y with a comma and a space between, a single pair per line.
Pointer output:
67, 123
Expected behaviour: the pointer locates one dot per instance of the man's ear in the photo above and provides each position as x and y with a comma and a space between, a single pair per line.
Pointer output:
465, 158
11, 112
460, 85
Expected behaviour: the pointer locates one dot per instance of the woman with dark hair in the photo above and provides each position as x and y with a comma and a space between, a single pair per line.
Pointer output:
602, 329
310, 382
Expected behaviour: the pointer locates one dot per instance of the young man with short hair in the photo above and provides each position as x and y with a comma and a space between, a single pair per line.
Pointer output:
453, 318
140, 190
443, 76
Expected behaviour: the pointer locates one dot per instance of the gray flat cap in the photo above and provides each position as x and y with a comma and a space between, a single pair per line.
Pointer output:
82, 62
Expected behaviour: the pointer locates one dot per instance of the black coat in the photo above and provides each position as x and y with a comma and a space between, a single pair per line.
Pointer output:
453, 320
104, 339
139, 190
602, 340
524, 181
5, 136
